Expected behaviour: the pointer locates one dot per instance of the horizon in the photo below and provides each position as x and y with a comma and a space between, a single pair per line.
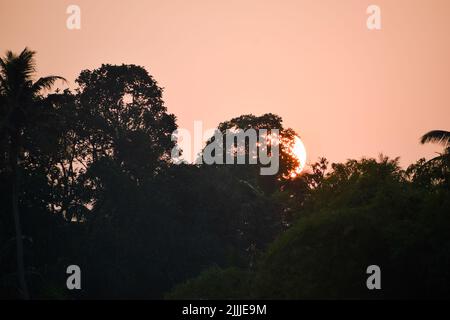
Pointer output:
349, 92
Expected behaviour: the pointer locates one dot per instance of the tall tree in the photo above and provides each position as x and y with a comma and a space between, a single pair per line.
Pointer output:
19, 94
125, 119
251, 173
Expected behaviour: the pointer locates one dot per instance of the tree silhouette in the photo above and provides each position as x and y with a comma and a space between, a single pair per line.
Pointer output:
442, 137
362, 212
121, 110
19, 94
437, 136
89, 171
250, 174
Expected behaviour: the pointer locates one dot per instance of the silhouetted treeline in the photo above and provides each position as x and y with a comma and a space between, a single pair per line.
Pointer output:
89, 174
360, 213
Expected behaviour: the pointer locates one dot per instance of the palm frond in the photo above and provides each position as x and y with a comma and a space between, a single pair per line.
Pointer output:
46, 83
26, 63
436, 136
17, 70
17, 88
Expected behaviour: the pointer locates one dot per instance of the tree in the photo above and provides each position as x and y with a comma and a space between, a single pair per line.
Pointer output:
19, 95
250, 174
438, 136
437, 166
123, 142
362, 212
123, 109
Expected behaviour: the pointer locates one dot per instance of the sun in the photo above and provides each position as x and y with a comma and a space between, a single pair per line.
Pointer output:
299, 152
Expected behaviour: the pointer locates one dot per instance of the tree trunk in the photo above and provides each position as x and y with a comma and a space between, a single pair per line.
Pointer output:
14, 158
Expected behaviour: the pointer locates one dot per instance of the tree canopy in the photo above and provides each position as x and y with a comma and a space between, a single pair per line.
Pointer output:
86, 178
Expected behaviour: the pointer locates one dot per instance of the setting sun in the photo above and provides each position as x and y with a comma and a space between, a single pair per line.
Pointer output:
299, 151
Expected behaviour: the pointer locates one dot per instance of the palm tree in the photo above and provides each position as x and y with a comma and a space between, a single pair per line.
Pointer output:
442, 137
438, 136
18, 95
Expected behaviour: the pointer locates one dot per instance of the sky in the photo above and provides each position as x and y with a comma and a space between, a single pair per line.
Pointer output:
346, 90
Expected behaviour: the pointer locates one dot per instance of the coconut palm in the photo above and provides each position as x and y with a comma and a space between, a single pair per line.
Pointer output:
437, 136
442, 137
18, 95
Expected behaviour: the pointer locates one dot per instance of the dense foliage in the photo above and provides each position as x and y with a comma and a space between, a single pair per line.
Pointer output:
362, 213
89, 174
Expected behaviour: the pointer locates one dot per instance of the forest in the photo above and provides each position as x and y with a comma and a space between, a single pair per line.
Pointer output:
87, 179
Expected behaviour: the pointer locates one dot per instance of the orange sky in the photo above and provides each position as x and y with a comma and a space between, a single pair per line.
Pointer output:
347, 91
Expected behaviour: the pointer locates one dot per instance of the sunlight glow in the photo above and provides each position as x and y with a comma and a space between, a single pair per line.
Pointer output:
298, 151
